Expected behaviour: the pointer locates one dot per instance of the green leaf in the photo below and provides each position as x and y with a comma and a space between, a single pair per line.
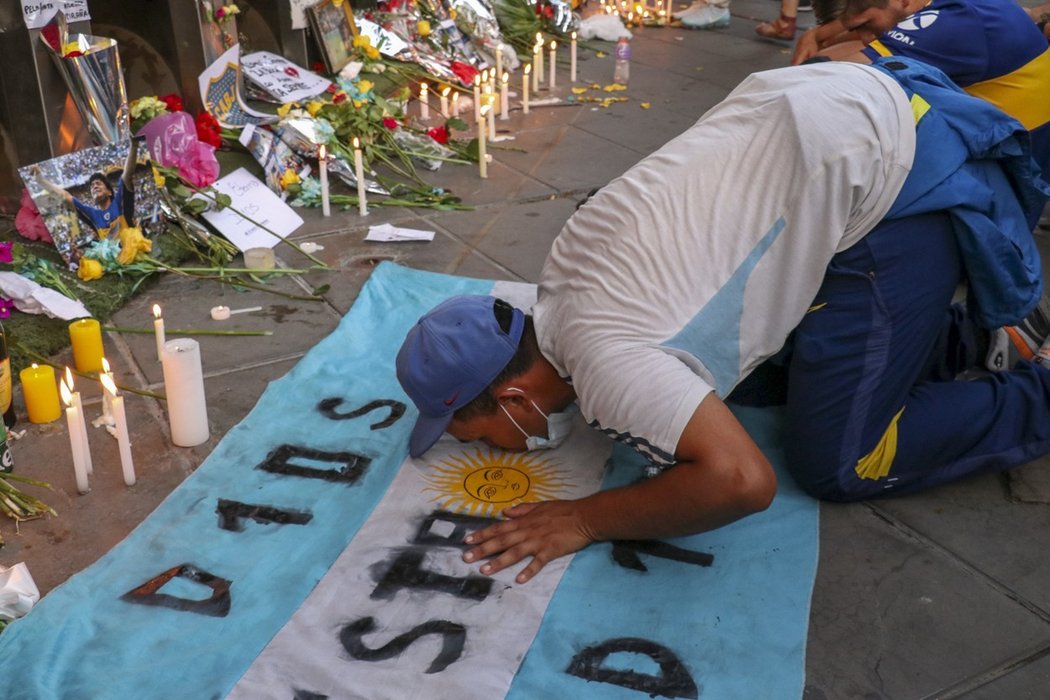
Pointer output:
456, 123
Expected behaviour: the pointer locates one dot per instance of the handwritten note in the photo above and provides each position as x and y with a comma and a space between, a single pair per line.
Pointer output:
255, 208
39, 12
281, 78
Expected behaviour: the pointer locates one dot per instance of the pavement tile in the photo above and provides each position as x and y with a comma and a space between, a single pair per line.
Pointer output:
894, 618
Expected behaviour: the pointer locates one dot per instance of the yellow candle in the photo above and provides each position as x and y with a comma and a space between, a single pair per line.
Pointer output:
86, 336
40, 392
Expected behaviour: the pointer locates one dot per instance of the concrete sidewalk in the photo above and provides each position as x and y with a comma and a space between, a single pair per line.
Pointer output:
937, 595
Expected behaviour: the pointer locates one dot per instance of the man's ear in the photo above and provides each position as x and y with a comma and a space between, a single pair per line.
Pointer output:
509, 397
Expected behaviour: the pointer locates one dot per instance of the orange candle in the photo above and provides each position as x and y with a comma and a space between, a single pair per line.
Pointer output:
40, 392
86, 336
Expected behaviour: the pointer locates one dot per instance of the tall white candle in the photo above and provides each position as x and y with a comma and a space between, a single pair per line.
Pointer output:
184, 387
572, 59
477, 97
455, 103
483, 165
504, 98
444, 100
107, 408
491, 103
525, 89
537, 67
127, 466
359, 173
322, 165
424, 108
539, 59
81, 422
158, 332
499, 59
76, 443
554, 56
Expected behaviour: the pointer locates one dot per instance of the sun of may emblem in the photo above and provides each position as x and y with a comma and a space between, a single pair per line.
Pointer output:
486, 482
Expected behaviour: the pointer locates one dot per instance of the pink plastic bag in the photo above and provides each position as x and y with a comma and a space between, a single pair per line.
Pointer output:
173, 143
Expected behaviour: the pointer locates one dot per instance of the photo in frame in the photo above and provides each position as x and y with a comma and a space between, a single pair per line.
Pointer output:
92, 193
333, 26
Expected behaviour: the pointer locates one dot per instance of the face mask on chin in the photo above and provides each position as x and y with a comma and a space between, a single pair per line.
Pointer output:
559, 425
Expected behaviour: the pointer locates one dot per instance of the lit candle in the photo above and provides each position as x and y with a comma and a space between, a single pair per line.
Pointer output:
359, 172
477, 97
504, 99
537, 67
444, 100
76, 443
424, 108
554, 54
184, 389
158, 332
86, 337
127, 466
525, 89
483, 165
322, 164
491, 103
539, 59
572, 59
75, 399
40, 393
455, 104
107, 408
499, 59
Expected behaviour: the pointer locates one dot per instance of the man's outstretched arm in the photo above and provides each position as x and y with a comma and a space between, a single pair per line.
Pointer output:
720, 476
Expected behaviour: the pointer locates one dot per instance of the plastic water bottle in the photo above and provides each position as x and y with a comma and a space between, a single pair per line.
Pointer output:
622, 73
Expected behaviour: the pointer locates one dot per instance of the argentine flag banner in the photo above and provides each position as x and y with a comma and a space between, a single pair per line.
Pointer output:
308, 557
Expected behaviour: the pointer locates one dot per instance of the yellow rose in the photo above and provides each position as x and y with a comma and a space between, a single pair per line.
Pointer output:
364, 86
90, 269
284, 109
289, 177
372, 52
158, 179
361, 40
313, 107
423, 27
132, 242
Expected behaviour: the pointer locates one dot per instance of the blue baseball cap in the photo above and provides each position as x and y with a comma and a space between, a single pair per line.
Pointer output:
450, 356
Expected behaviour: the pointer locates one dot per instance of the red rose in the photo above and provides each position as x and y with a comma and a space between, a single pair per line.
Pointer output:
317, 67
465, 72
339, 97
390, 123
74, 54
208, 130
439, 134
173, 102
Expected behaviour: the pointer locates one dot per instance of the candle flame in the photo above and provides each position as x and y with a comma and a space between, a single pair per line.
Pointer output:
108, 384
539, 38
67, 395
528, 69
573, 35
34, 365
105, 365
446, 90
477, 80
69, 379
357, 142
485, 109
422, 88
156, 311
554, 44
506, 76
322, 152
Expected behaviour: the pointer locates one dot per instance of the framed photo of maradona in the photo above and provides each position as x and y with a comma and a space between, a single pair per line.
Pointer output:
93, 193
332, 23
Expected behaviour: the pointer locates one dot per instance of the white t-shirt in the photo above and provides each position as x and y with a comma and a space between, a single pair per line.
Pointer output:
685, 273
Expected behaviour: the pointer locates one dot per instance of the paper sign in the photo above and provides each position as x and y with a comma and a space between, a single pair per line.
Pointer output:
252, 199
298, 10
281, 78
219, 93
388, 43
38, 13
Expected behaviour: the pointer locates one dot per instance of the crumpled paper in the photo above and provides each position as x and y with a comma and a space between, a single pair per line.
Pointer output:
18, 591
604, 27
32, 298
388, 233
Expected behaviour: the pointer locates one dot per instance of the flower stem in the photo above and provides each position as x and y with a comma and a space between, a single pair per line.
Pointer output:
185, 331
40, 359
